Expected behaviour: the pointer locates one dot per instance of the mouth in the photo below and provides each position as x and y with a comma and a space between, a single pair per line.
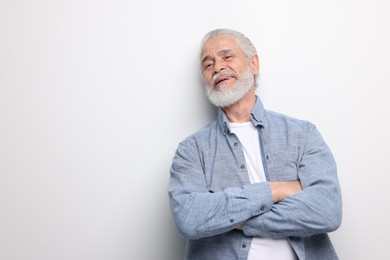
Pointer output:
222, 78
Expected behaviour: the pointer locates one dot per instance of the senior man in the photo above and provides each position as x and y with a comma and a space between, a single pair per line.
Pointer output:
253, 184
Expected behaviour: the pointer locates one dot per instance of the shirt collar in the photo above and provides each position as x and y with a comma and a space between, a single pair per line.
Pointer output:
257, 116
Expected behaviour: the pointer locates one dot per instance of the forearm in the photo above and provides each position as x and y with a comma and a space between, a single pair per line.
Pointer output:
202, 214
282, 190
315, 210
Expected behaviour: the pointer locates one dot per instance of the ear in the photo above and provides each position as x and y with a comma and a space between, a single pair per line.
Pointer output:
255, 68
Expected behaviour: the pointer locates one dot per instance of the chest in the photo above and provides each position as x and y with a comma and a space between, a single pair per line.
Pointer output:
225, 165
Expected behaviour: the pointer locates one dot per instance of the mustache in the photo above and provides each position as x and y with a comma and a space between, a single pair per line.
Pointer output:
222, 73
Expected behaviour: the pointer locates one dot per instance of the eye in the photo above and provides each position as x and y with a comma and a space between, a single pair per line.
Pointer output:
207, 65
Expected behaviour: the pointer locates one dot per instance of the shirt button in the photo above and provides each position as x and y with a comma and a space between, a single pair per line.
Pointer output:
235, 144
242, 166
262, 208
243, 245
231, 220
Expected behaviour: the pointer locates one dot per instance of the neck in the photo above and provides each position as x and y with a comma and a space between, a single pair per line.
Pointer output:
240, 111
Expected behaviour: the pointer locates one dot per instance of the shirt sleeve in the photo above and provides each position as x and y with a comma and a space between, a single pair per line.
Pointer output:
316, 209
198, 212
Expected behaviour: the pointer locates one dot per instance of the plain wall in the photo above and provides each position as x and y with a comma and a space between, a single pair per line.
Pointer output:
96, 95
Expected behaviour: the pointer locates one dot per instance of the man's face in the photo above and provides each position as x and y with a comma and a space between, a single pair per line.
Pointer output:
226, 71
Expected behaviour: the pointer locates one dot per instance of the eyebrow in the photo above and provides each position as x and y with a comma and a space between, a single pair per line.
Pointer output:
224, 52
206, 58
220, 53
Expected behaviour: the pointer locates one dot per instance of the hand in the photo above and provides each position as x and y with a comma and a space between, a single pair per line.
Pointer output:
281, 190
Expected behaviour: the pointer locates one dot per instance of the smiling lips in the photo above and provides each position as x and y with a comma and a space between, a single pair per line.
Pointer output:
222, 76
220, 79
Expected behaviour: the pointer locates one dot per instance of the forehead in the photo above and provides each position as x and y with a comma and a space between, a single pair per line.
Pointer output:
220, 43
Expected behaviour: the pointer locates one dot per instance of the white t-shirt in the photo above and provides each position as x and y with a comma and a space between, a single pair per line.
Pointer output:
261, 248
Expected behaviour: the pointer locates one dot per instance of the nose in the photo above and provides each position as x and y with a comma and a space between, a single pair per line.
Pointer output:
219, 65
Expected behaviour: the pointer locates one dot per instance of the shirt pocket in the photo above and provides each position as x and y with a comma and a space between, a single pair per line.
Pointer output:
283, 164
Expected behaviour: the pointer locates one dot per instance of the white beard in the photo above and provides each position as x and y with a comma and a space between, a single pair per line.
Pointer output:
226, 96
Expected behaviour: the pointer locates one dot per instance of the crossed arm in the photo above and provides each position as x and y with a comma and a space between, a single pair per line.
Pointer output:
301, 208
282, 190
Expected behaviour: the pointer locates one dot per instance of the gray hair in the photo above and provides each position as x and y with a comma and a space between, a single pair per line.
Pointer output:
245, 44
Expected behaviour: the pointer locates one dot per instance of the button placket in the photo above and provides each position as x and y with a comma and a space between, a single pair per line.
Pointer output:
236, 144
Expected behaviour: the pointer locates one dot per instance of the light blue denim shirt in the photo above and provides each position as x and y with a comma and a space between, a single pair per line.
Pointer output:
210, 192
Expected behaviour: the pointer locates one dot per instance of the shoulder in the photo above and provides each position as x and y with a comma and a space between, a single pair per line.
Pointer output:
280, 128
275, 119
202, 135
194, 145
283, 128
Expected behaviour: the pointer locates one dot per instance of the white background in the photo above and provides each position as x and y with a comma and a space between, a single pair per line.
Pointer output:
96, 94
